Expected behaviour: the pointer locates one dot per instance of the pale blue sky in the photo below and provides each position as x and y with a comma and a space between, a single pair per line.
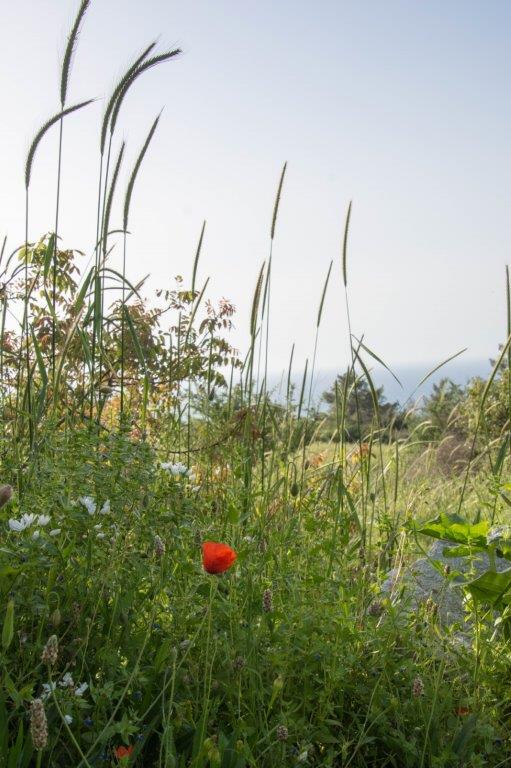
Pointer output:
401, 106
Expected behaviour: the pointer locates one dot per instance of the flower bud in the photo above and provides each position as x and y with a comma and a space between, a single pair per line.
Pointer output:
5, 494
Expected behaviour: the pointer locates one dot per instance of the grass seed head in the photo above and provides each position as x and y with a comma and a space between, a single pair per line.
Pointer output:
50, 651
5, 494
267, 601
376, 608
159, 546
38, 724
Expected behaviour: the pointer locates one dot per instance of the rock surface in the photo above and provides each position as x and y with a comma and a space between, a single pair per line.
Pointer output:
422, 581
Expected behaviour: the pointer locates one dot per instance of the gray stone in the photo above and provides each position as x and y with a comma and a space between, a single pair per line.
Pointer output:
421, 581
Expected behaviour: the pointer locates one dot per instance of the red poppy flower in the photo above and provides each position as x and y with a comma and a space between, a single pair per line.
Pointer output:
121, 752
216, 557
461, 711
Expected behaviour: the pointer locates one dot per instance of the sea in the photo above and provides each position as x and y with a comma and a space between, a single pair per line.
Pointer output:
406, 392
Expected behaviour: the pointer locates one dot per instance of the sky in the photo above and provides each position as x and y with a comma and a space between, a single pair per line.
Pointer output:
399, 106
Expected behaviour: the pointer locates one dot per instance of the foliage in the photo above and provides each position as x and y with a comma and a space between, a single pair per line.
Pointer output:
131, 434
439, 414
363, 410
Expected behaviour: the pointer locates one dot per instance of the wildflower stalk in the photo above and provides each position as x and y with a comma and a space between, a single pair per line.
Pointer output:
70, 733
160, 695
167, 711
129, 681
432, 708
208, 671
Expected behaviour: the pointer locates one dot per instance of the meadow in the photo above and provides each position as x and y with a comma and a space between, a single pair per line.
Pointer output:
191, 569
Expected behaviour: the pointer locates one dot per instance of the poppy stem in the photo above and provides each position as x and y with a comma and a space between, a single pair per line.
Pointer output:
207, 671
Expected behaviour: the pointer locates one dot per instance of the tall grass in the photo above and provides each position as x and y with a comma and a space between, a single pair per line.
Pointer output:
284, 663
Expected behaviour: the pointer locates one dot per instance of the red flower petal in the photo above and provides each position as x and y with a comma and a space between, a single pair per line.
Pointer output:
461, 711
121, 752
217, 557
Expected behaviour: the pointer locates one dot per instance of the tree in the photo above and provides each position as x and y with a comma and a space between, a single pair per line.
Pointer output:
440, 412
352, 395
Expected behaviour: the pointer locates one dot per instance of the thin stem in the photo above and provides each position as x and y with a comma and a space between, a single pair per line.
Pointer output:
123, 310
55, 252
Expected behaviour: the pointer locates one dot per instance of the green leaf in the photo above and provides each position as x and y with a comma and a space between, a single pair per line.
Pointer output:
462, 737
491, 587
455, 528
8, 627
15, 751
463, 550
136, 343
12, 690
50, 247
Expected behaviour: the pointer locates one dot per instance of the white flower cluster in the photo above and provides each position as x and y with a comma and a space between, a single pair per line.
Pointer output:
498, 533
90, 505
178, 470
27, 520
66, 682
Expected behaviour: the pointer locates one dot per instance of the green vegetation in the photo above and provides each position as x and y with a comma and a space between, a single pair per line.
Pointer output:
132, 434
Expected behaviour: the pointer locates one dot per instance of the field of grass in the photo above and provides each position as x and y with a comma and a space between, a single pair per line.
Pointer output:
132, 435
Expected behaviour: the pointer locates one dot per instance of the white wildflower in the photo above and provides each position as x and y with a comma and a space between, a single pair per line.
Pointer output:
67, 681
22, 524
36, 534
48, 689
98, 527
105, 509
16, 525
43, 520
68, 719
81, 689
89, 504
175, 469
55, 531
100, 535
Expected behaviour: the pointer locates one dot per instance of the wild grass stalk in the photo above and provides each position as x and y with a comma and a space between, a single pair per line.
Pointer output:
249, 384
311, 381
319, 550
139, 66
64, 83
126, 211
26, 313
265, 311
508, 328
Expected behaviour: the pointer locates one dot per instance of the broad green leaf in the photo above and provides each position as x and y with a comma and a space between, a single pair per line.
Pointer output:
464, 550
455, 528
491, 587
